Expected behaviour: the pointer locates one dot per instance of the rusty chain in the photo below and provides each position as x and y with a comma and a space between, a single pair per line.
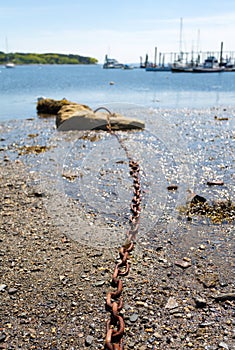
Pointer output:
115, 326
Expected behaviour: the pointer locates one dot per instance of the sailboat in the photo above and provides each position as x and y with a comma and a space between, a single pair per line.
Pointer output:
8, 64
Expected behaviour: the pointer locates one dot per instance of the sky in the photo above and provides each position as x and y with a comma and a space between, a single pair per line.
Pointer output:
123, 29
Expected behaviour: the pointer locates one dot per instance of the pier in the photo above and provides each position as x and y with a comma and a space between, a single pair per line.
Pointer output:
192, 58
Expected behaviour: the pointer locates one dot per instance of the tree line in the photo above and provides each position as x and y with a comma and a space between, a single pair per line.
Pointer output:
45, 58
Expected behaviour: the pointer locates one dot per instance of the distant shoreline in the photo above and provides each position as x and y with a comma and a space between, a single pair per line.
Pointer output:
2, 65
19, 58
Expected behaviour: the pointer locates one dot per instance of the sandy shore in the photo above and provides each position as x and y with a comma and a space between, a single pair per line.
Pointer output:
179, 293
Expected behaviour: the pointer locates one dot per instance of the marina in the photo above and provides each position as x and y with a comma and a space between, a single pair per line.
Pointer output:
199, 62
181, 62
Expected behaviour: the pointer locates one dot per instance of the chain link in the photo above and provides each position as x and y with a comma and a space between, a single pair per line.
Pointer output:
115, 326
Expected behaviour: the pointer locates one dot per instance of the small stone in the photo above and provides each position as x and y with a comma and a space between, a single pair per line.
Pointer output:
206, 324
197, 200
215, 183
171, 303
200, 302
12, 291
172, 187
223, 345
89, 340
187, 259
2, 287
183, 264
149, 330
140, 303
38, 194
99, 283
133, 317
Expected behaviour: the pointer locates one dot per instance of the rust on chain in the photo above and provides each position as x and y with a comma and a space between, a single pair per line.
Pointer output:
115, 326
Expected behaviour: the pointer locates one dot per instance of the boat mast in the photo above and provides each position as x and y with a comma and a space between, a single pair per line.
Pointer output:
221, 54
198, 43
155, 57
180, 43
6, 44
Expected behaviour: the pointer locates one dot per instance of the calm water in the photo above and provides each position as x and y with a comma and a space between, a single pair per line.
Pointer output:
20, 87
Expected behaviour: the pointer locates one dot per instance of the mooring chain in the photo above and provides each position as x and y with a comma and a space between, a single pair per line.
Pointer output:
115, 326
114, 301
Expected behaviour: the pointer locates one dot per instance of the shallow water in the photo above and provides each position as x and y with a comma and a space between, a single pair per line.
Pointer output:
85, 175
20, 88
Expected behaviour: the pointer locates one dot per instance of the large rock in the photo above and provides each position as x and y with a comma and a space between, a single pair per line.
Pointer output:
66, 112
74, 116
86, 119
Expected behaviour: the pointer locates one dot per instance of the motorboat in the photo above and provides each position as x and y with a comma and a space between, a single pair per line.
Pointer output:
180, 66
210, 65
111, 63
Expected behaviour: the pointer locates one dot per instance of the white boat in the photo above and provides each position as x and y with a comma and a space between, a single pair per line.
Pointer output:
111, 63
180, 67
10, 65
210, 65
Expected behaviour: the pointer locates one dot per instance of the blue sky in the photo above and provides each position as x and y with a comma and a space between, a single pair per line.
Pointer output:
124, 29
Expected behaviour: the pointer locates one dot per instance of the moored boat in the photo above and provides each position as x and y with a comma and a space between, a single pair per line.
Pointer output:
210, 65
111, 63
182, 69
158, 68
10, 65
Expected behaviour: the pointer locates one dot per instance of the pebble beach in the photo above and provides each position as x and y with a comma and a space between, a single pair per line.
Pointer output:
180, 291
